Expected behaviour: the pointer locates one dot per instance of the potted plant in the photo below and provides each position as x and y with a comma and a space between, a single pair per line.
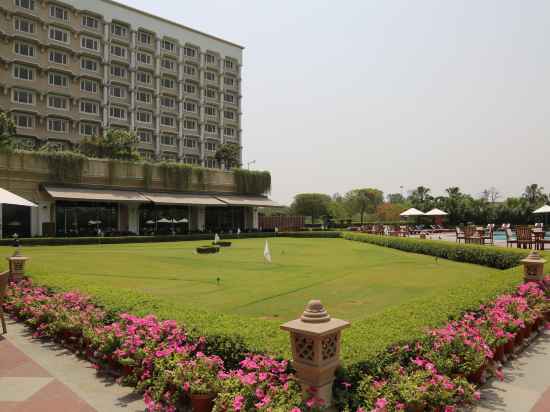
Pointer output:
200, 380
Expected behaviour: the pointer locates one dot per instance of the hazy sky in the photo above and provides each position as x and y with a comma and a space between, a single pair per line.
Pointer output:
345, 94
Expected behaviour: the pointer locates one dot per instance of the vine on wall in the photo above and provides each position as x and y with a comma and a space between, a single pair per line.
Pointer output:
252, 181
64, 166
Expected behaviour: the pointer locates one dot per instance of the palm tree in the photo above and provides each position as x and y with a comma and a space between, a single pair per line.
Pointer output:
534, 194
453, 191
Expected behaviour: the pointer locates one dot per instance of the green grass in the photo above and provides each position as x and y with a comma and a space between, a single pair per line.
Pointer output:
389, 295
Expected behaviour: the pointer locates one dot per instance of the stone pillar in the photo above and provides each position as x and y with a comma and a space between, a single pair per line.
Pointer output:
533, 267
315, 340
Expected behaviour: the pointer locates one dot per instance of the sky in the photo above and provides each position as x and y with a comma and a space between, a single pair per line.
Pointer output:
391, 94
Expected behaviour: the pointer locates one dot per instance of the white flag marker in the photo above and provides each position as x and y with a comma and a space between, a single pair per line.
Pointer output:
216, 238
267, 253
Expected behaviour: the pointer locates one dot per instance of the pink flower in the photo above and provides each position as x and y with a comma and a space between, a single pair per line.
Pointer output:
238, 402
381, 403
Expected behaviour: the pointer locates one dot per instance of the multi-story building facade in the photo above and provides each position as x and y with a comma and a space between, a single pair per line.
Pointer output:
73, 68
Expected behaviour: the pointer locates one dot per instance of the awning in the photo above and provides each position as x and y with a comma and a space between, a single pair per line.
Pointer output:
183, 199
257, 201
95, 195
9, 198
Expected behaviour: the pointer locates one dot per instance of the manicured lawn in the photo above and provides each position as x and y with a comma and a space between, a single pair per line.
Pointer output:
369, 285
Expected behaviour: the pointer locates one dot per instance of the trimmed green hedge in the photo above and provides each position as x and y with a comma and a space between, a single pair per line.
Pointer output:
58, 241
491, 256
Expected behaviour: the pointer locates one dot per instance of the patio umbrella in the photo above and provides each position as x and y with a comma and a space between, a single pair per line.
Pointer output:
164, 220
150, 222
545, 210
183, 220
411, 212
9, 198
438, 215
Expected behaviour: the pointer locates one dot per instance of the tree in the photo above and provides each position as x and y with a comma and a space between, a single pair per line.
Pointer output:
113, 144
420, 198
230, 154
396, 198
453, 191
534, 194
7, 131
314, 205
386, 212
363, 201
491, 195
337, 207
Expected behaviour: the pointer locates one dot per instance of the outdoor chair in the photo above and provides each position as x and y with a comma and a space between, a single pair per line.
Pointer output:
471, 236
489, 235
3, 287
510, 241
459, 235
524, 237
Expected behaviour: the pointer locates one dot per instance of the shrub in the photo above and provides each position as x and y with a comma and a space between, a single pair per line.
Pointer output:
495, 257
207, 249
222, 243
252, 181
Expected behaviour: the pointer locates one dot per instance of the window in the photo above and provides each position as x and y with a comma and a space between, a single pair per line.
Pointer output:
144, 58
211, 163
144, 77
88, 129
168, 101
190, 124
190, 107
90, 65
23, 72
190, 142
168, 139
147, 154
228, 81
229, 64
144, 97
145, 136
210, 58
24, 49
59, 13
210, 146
24, 121
190, 70
168, 46
168, 121
25, 4
57, 125
170, 157
57, 102
168, 64
144, 116
88, 85
23, 96
189, 51
229, 131
89, 107
119, 51
89, 43
210, 111
58, 79
210, 128
118, 91
190, 88
191, 160
210, 93
24, 25
229, 114
118, 71
168, 83
229, 98
90, 22
59, 35
119, 30
117, 113
144, 38
58, 57
210, 75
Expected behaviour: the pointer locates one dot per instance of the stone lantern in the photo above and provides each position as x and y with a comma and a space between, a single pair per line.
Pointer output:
17, 263
533, 267
315, 339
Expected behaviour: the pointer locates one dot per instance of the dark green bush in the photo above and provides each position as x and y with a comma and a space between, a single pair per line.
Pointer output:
490, 256
204, 250
222, 243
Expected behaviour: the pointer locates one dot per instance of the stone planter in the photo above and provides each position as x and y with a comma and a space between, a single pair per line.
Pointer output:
499, 353
202, 403
520, 335
509, 347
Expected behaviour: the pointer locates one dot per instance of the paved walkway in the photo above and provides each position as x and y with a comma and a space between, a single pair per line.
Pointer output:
39, 376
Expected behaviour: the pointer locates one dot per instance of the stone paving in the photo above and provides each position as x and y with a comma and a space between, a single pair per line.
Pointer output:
38, 376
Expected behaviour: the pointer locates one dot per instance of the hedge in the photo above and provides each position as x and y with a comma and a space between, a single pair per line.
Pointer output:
491, 256
63, 241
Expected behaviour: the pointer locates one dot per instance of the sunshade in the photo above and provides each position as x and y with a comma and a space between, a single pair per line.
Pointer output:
544, 209
412, 212
436, 212
9, 198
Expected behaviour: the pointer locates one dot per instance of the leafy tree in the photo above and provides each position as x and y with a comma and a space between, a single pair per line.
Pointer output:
315, 205
338, 208
389, 211
7, 131
113, 144
364, 201
453, 191
230, 154
396, 198
421, 198
534, 194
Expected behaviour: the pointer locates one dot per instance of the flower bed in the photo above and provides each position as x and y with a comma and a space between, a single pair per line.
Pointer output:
158, 358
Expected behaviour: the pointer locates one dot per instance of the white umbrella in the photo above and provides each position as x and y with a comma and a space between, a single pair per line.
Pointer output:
544, 209
436, 212
183, 220
150, 222
411, 212
9, 198
164, 220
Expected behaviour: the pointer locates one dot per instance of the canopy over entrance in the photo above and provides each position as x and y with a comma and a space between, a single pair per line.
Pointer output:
9, 198
94, 195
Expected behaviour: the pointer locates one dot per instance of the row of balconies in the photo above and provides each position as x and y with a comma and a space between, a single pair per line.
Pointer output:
75, 32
